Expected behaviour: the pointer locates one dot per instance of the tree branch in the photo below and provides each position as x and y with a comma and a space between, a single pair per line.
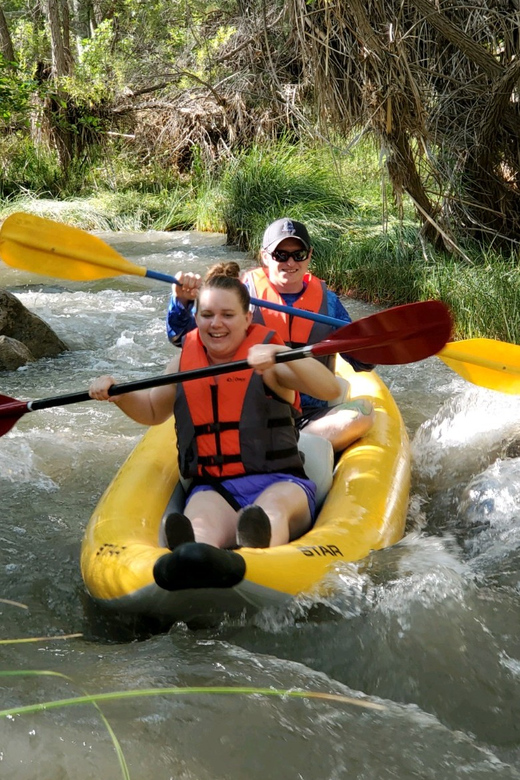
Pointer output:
456, 35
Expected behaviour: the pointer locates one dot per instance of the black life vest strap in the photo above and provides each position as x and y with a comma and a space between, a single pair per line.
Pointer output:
281, 422
219, 427
218, 460
215, 427
289, 452
219, 488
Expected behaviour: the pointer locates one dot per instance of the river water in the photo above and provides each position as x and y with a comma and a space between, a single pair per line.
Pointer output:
429, 629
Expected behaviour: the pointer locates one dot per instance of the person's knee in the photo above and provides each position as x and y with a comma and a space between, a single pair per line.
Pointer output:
358, 407
360, 414
349, 428
288, 510
367, 418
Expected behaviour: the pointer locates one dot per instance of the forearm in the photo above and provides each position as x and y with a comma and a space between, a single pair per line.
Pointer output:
148, 407
309, 376
304, 375
137, 406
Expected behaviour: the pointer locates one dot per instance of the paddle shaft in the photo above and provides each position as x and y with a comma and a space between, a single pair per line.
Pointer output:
328, 347
11, 409
34, 243
400, 335
306, 315
159, 381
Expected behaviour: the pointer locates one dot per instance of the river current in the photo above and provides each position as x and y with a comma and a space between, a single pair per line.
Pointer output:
429, 629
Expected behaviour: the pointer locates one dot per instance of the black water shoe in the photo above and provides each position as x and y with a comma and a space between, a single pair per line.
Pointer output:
178, 530
254, 527
199, 565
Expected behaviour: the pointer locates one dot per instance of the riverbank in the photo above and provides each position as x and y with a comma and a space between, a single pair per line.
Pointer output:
364, 246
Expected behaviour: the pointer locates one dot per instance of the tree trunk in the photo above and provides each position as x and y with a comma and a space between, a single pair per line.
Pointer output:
59, 108
60, 60
6, 43
437, 83
82, 18
388, 124
65, 23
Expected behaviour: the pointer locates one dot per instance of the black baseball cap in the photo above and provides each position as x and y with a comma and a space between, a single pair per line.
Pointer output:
283, 228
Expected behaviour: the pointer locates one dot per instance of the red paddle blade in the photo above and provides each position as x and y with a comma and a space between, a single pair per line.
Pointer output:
402, 334
10, 411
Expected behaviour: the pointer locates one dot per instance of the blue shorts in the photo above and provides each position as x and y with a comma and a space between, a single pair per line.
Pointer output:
245, 490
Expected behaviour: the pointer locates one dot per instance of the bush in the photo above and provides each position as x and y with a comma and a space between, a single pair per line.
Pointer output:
266, 183
26, 168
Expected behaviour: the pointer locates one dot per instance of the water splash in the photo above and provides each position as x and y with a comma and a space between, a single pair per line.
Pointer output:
489, 523
19, 464
463, 437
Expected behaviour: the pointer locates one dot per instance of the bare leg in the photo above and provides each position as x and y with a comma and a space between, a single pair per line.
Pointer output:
287, 507
214, 521
344, 424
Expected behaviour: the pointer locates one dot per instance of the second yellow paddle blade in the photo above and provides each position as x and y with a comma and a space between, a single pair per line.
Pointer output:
50, 248
485, 362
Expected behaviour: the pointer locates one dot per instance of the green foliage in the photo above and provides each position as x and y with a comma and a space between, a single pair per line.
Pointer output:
355, 250
26, 168
96, 77
391, 267
31, 43
158, 31
212, 45
265, 183
15, 92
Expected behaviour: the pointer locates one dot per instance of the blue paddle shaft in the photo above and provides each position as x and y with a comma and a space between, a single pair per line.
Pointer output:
306, 315
162, 277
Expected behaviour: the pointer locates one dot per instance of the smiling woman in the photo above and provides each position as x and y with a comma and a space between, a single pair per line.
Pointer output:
237, 438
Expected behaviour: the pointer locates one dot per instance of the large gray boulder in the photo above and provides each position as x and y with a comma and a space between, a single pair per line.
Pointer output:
24, 337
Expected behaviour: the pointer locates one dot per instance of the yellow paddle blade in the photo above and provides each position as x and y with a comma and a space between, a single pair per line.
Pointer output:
485, 362
50, 248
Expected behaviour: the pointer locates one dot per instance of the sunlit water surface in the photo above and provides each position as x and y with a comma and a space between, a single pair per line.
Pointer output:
429, 629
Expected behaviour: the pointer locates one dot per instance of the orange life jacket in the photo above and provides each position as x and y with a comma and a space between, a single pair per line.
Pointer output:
295, 331
232, 424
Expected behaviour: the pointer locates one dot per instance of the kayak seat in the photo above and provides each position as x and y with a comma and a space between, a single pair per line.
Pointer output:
318, 456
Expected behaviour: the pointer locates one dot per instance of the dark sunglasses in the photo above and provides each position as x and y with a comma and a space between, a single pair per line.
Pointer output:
281, 256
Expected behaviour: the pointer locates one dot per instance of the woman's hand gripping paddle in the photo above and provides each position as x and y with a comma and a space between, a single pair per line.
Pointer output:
403, 334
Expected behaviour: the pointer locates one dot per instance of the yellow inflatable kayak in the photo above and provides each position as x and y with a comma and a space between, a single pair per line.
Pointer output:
124, 557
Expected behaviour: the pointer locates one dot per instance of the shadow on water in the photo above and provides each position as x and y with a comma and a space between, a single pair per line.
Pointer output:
101, 625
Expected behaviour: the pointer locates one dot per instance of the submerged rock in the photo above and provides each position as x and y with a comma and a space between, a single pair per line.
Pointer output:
24, 337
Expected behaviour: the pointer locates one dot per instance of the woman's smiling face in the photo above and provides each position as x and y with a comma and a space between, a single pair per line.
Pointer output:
222, 323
